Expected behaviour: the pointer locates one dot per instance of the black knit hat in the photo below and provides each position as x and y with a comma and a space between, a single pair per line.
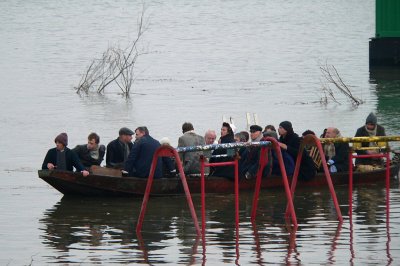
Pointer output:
286, 125
62, 138
371, 119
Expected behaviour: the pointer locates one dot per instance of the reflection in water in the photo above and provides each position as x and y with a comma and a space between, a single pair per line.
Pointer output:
102, 230
388, 93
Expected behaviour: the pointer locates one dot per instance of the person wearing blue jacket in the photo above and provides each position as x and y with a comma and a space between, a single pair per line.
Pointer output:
139, 160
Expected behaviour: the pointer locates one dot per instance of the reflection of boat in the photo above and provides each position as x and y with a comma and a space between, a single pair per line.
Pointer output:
107, 184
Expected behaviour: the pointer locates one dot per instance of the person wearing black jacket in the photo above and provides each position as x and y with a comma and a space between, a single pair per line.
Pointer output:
118, 150
227, 136
140, 158
91, 153
370, 129
290, 142
62, 158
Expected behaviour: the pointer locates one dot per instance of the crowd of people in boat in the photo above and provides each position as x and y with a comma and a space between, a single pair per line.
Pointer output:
135, 158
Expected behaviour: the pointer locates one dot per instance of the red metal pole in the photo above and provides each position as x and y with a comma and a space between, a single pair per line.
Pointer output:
351, 183
289, 194
264, 150
187, 192
146, 194
237, 191
387, 181
161, 152
203, 197
328, 178
294, 179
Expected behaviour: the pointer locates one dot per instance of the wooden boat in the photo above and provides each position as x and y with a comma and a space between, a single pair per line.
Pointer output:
109, 182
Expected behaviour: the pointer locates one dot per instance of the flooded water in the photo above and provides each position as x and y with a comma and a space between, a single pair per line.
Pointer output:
203, 60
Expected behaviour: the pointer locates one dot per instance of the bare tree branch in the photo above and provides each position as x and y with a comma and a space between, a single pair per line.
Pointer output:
116, 66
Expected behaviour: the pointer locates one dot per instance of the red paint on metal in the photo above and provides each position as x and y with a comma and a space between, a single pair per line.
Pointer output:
263, 162
203, 164
166, 151
387, 175
312, 139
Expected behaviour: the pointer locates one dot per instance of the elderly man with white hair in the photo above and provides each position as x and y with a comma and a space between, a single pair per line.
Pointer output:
336, 154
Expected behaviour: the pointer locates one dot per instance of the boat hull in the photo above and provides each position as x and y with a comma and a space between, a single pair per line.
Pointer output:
69, 183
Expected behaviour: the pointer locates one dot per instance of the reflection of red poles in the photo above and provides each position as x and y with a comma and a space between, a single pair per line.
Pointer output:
166, 151
203, 164
379, 155
313, 140
263, 162
331, 258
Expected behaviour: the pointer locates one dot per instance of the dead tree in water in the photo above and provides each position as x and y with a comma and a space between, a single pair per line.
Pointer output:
332, 76
115, 66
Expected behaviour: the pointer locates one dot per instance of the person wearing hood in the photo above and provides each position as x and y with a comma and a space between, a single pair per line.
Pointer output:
227, 136
290, 142
370, 129
62, 158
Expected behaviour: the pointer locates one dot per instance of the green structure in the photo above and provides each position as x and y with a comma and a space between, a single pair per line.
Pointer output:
384, 49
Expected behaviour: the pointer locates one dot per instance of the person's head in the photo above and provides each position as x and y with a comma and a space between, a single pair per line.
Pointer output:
270, 133
246, 135
269, 128
210, 137
165, 141
187, 127
285, 128
323, 133
371, 121
239, 137
93, 141
226, 129
332, 132
255, 132
61, 141
125, 135
308, 132
140, 132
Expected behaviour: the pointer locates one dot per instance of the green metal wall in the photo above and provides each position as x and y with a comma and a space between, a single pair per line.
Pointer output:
387, 18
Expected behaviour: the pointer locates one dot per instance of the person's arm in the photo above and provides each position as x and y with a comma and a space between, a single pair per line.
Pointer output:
102, 151
130, 162
47, 164
77, 164
341, 158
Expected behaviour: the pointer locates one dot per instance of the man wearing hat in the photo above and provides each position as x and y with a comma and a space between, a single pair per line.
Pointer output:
370, 129
62, 158
250, 158
118, 150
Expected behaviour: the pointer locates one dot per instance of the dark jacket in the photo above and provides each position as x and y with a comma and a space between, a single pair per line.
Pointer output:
115, 154
341, 157
224, 171
139, 160
84, 155
307, 167
362, 132
71, 159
